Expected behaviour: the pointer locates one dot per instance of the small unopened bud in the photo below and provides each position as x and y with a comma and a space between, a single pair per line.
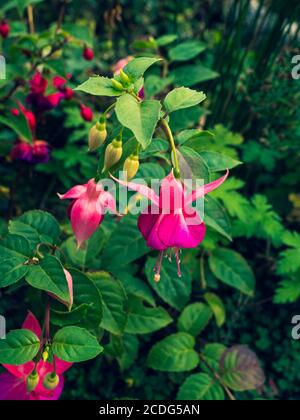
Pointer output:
157, 278
51, 381
97, 136
113, 154
32, 381
131, 166
117, 85
124, 78
45, 355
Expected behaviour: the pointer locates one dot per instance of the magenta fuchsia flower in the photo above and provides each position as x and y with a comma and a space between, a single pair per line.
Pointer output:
88, 54
60, 84
4, 29
22, 151
38, 84
86, 113
38, 98
13, 382
170, 223
36, 152
87, 210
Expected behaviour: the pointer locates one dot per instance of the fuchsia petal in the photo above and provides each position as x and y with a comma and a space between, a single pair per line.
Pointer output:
20, 371
175, 232
12, 388
202, 191
171, 194
141, 189
106, 200
85, 218
74, 192
62, 366
149, 225
32, 324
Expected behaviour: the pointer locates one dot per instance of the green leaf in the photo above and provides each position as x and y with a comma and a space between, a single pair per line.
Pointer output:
99, 86
217, 306
288, 290
194, 318
11, 271
15, 246
216, 217
135, 286
211, 356
174, 353
193, 75
193, 138
138, 66
19, 125
219, 162
232, 269
240, 369
144, 320
19, 347
49, 276
37, 227
73, 317
126, 245
166, 40
181, 98
74, 344
139, 117
172, 289
191, 165
201, 386
130, 353
87, 298
114, 302
186, 51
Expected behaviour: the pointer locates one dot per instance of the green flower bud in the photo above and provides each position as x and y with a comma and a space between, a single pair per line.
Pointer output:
32, 381
113, 154
117, 85
125, 78
97, 136
131, 166
51, 381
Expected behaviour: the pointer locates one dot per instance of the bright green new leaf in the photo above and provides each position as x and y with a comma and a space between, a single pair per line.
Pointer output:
181, 98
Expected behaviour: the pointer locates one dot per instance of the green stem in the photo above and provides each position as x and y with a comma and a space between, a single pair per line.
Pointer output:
168, 132
109, 109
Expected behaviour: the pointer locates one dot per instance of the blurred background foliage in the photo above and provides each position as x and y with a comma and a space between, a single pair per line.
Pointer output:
240, 53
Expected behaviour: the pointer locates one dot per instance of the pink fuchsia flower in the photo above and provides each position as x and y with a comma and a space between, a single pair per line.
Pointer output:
60, 84
86, 113
40, 152
88, 54
13, 382
22, 151
38, 84
87, 210
4, 29
170, 223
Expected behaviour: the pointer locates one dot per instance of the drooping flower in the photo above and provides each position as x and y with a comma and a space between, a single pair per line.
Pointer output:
21, 151
37, 96
87, 210
4, 29
38, 84
170, 223
86, 113
36, 152
14, 384
60, 84
88, 54
40, 152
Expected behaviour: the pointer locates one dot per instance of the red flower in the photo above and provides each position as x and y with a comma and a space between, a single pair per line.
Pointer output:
86, 113
38, 84
88, 54
22, 151
40, 152
60, 84
4, 29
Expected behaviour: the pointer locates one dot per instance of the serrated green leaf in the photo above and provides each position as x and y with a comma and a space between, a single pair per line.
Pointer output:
99, 86
19, 347
201, 386
181, 98
217, 306
194, 318
218, 162
138, 66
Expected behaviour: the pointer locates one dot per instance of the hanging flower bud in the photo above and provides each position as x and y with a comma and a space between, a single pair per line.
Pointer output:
86, 113
51, 381
45, 356
113, 154
32, 381
117, 85
97, 136
124, 78
131, 166
4, 29
88, 54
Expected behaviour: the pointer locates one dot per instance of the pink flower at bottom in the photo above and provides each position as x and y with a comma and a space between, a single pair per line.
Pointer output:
88, 208
170, 223
13, 382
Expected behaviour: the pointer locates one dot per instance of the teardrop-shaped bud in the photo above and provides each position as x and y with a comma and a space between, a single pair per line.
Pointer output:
117, 85
51, 381
124, 78
32, 381
113, 154
97, 136
131, 166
